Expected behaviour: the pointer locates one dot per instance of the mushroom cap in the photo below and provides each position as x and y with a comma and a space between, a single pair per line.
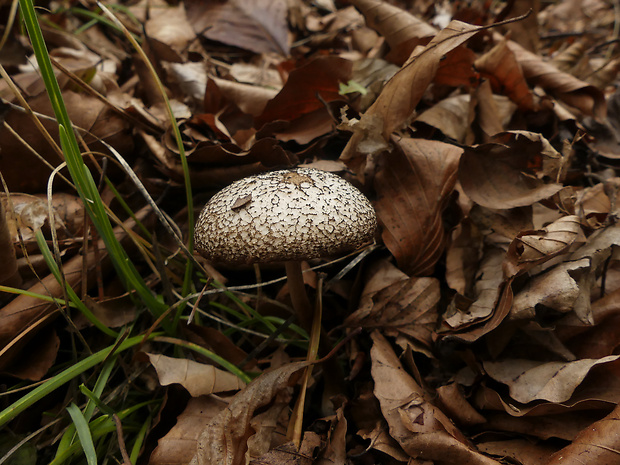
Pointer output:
284, 215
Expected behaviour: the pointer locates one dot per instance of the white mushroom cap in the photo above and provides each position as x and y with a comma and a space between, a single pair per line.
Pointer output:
284, 215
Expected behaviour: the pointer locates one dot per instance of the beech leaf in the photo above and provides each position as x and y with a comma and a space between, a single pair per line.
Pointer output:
413, 185
198, 378
256, 25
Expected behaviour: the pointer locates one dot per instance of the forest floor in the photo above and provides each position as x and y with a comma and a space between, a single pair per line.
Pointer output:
480, 326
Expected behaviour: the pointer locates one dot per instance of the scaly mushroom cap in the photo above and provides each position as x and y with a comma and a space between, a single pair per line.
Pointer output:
284, 215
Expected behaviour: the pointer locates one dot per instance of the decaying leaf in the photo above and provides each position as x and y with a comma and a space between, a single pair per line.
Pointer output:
307, 89
502, 68
567, 88
531, 248
396, 103
515, 169
405, 305
259, 26
402, 30
224, 439
598, 443
529, 380
413, 185
561, 290
179, 446
421, 429
198, 378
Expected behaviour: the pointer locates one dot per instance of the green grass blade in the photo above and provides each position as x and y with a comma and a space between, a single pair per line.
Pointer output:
64, 377
69, 436
75, 299
80, 174
83, 431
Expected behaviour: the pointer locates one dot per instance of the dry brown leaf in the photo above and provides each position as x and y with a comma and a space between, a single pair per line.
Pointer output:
565, 87
396, 103
335, 451
598, 443
462, 257
85, 112
525, 31
179, 445
597, 339
405, 305
290, 454
413, 185
520, 450
421, 429
307, 89
198, 378
401, 29
224, 439
564, 426
515, 169
532, 248
451, 116
562, 289
575, 15
456, 69
531, 380
37, 358
501, 67
599, 392
256, 25
455, 405
250, 99
270, 429
169, 32
462, 311
494, 111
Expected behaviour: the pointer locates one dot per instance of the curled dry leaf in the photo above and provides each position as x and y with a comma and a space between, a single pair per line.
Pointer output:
565, 87
531, 380
405, 305
256, 25
179, 445
413, 185
336, 450
198, 378
501, 67
451, 116
598, 443
290, 454
398, 99
307, 89
249, 98
422, 430
401, 30
520, 450
513, 170
463, 311
531, 248
224, 439
562, 289
169, 32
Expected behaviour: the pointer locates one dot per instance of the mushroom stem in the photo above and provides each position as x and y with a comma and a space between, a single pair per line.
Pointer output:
299, 297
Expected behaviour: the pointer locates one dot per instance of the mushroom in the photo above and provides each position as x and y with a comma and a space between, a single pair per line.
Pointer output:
285, 216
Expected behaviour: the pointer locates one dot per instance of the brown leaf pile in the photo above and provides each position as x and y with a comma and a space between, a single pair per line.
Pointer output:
483, 328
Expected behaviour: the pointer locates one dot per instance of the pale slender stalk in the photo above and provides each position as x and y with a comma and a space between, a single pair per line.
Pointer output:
299, 297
